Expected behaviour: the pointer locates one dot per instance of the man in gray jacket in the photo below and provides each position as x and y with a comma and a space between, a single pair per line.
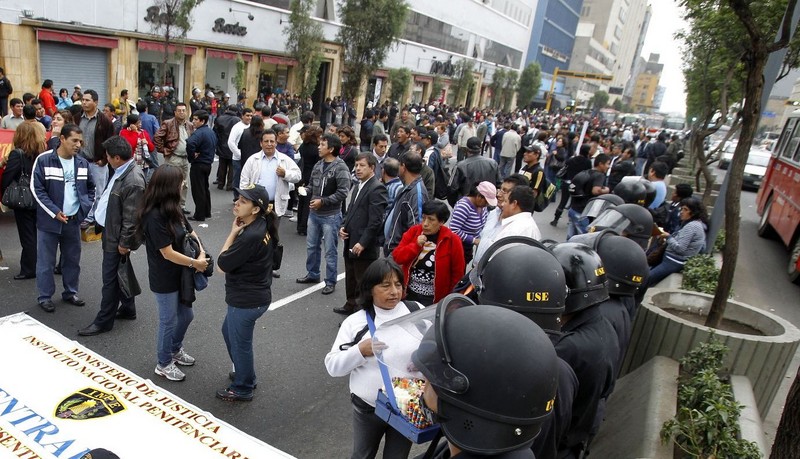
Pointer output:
329, 184
116, 214
407, 209
472, 170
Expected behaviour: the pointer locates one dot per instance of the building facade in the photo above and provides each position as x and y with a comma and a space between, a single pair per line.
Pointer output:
110, 46
553, 37
644, 90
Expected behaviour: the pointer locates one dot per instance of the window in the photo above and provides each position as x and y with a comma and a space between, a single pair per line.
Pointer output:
586, 11
622, 14
792, 148
785, 136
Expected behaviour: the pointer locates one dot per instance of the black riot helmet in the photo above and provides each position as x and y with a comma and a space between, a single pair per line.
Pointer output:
586, 276
624, 261
463, 356
651, 192
631, 191
629, 220
598, 204
521, 274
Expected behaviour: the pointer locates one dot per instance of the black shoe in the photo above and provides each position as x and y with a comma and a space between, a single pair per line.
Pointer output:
91, 330
232, 376
345, 310
186, 212
220, 187
125, 316
231, 396
195, 219
301, 233
47, 305
57, 270
74, 300
276, 274
328, 289
554, 223
307, 280
24, 276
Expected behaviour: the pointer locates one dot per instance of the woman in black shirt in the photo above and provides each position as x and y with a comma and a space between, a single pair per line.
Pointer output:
246, 260
162, 226
309, 155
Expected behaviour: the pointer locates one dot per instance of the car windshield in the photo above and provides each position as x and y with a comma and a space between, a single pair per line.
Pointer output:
758, 160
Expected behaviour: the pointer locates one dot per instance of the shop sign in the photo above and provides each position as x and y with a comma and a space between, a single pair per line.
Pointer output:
230, 29
332, 51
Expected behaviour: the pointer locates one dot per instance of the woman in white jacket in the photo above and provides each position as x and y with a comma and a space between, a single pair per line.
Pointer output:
351, 354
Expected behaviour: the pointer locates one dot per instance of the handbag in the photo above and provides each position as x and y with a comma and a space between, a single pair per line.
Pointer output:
18, 195
562, 173
656, 254
126, 276
277, 256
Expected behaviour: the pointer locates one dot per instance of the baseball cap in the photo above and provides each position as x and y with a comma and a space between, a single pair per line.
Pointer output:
532, 146
280, 118
77, 86
474, 144
432, 135
489, 192
256, 193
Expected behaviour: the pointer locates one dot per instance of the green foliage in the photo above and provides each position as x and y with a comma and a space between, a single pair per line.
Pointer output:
509, 85
719, 242
241, 75
496, 86
529, 83
174, 21
700, 274
599, 100
462, 81
706, 424
369, 29
399, 79
436, 87
304, 42
617, 105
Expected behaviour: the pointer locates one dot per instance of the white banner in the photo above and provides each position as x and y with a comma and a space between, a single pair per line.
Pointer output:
60, 399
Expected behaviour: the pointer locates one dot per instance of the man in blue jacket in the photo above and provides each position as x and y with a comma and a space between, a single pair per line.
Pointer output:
200, 149
64, 191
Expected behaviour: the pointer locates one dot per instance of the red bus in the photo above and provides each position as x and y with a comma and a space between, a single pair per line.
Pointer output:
778, 200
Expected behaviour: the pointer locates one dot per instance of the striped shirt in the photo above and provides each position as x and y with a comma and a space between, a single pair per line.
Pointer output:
467, 220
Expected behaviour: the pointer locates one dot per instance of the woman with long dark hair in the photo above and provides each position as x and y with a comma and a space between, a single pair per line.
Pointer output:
349, 149
163, 227
309, 155
351, 354
250, 143
688, 241
28, 144
246, 260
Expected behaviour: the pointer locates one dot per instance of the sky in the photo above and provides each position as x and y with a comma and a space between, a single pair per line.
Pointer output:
660, 39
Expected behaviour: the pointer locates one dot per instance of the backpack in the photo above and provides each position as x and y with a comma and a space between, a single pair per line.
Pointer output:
412, 306
545, 191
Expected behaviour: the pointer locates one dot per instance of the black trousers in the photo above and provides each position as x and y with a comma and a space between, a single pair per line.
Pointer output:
198, 177
354, 268
26, 228
3, 106
302, 213
564, 198
225, 173
112, 296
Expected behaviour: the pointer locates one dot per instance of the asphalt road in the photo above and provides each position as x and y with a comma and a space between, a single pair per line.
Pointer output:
298, 407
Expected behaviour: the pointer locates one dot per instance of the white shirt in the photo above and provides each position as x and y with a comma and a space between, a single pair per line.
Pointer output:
521, 224
234, 138
294, 135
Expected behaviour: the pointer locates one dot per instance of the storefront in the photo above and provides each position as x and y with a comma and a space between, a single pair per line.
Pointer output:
274, 73
222, 68
69, 59
152, 71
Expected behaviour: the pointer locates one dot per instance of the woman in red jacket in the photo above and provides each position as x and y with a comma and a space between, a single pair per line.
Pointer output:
142, 144
432, 256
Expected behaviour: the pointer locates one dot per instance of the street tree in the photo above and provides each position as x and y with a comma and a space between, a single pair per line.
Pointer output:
367, 37
529, 83
462, 80
436, 88
599, 100
496, 87
509, 85
399, 79
171, 20
304, 43
761, 29
617, 105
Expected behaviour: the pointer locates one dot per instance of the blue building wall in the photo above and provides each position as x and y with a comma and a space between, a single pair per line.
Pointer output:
554, 26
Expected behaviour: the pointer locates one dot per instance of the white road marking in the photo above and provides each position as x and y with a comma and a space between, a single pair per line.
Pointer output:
296, 296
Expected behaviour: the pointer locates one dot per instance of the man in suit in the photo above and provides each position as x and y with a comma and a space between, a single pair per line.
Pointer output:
362, 227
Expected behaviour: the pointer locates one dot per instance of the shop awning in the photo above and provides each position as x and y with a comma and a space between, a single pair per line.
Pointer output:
278, 60
94, 41
423, 79
381, 73
159, 47
230, 55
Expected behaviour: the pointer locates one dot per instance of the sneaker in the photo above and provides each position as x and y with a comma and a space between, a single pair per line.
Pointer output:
289, 214
170, 372
293, 218
182, 358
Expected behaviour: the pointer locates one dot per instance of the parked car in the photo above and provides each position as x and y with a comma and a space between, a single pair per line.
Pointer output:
727, 155
756, 168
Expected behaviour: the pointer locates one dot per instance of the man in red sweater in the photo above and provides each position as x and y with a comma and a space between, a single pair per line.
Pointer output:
46, 96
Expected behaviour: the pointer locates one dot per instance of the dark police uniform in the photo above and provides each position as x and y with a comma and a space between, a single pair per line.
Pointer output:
589, 344
442, 451
545, 446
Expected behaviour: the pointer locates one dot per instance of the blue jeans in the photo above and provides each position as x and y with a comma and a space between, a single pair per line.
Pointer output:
100, 178
319, 227
237, 330
237, 176
47, 244
506, 166
173, 321
576, 225
550, 175
664, 269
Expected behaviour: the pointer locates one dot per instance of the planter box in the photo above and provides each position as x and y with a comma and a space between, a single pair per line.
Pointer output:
762, 359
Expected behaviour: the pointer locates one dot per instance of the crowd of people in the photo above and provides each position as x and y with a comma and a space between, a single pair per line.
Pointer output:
424, 201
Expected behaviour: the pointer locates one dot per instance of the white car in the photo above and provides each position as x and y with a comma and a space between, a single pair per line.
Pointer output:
727, 154
756, 168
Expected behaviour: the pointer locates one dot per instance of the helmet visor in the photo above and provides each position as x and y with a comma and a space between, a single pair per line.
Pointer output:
414, 345
596, 207
611, 219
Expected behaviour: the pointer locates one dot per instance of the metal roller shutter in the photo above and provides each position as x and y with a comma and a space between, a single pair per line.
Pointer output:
68, 65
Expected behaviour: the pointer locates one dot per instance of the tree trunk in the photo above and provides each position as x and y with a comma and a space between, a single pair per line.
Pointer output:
756, 61
786, 444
